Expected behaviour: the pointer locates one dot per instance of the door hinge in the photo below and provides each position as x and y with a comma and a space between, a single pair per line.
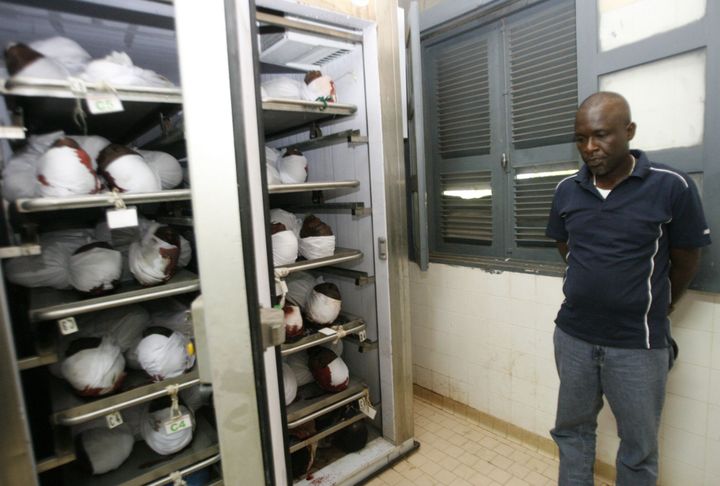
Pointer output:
272, 322
382, 248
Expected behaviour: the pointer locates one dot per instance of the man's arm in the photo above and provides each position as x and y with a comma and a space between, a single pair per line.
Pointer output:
562, 247
684, 266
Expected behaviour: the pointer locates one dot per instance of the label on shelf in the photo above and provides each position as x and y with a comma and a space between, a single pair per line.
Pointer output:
122, 218
176, 425
101, 103
113, 420
328, 331
362, 335
367, 408
67, 326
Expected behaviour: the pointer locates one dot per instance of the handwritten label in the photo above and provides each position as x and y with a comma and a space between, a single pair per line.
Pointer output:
173, 426
328, 331
101, 103
122, 218
113, 420
367, 408
362, 335
67, 326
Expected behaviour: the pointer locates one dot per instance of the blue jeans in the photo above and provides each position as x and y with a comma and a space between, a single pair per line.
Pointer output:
633, 380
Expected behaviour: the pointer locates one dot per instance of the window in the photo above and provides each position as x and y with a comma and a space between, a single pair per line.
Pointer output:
500, 104
661, 55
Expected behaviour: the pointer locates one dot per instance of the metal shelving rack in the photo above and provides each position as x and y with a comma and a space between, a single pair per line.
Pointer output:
107, 199
345, 324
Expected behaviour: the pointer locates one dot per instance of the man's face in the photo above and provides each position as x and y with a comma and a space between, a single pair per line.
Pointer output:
602, 136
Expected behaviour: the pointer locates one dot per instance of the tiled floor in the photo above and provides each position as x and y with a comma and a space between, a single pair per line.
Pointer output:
455, 451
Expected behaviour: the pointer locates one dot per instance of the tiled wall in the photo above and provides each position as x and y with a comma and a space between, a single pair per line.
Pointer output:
485, 339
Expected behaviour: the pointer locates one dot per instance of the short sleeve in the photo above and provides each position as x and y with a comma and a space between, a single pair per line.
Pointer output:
556, 223
688, 228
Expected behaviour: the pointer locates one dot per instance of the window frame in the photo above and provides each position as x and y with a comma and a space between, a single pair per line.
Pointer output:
700, 34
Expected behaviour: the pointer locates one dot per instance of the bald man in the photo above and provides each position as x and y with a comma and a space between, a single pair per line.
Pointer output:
630, 231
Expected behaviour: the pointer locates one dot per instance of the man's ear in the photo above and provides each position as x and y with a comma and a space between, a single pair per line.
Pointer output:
631, 130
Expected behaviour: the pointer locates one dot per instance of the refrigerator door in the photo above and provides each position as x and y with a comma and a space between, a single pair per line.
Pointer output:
220, 107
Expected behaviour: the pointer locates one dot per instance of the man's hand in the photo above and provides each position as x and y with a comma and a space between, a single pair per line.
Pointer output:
684, 266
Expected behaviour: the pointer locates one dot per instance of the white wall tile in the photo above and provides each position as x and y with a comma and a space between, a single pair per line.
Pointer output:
523, 391
678, 473
689, 381
523, 415
497, 284
523, 339
716, 347
544, 422
695, 310
544, 346
548, 290
713, 423
695, 346
440, 384
685, 414
546, 399
522, 286
714, 387
682, 446
499, 384
500, 407
607, 446
712, 459
545, 315
547, 372
523, 366
422, 376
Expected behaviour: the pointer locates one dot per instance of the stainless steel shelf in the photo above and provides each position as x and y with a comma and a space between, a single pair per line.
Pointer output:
326, 432
348, 323
64, 452
57, 88
285, 115
69, 409
310, 186
355, 208
38, 360
48, 304
20, 251
313, 402
145, 465
41, 204
361, 278
9, 132
188, 470
346, 136
341, 255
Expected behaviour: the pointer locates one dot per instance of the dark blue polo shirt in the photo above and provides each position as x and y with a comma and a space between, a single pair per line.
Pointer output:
617, 286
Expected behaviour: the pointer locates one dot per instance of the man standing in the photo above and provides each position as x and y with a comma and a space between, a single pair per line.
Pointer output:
630, 231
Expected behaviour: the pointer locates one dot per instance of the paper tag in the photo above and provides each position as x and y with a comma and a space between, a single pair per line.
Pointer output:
113, 420
67, 326
367, 408
122, 218
101, 103
362, 335
173, 426
328, 331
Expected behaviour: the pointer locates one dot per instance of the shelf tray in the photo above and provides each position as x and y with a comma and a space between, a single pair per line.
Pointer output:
59, 88
313, 402
145, 466
326, 432
349, 323
341, 255
48, 105
64, 452
285, 115
107, 199
11, 132
346, 136
28, 249
69, 409
48, 304
310, 186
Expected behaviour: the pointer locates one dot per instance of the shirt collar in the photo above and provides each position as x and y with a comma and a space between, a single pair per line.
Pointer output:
642, 169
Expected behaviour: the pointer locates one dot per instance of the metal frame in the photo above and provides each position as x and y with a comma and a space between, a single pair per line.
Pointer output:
108, 199
208, 96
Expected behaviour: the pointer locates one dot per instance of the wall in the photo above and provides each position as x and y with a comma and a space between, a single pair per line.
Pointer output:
485, 340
